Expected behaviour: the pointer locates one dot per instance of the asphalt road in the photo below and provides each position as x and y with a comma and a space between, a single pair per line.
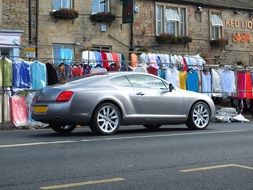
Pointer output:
173, 157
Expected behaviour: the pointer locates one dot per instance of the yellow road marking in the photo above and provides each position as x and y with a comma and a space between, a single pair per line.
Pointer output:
70, 185
215, 167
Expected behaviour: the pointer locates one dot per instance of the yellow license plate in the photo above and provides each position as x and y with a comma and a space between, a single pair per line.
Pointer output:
40, 109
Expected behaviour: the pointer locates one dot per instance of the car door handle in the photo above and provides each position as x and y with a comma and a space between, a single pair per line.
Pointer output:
140, 93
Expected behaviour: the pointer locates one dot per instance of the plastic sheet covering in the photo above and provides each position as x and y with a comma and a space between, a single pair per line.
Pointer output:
228, 115
5, 108
19, 110
31, 123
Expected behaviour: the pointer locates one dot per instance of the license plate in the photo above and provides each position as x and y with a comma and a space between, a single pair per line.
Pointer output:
39, 109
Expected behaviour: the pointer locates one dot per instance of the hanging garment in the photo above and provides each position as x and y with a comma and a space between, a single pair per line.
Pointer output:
98, 58
116, 59
51, 74
19, 110
192, 81
105, 60
227, 82
5, 72
248, 85
241, 85
123, 59
216, 84
182, 79
172, 76
6, 110
144, 60
38, 75
161, 73
89, 57
134, 60
152, 70
206, 83
77, 71
21, 74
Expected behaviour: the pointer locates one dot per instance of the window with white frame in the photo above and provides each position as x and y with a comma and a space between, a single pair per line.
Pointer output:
60, 4
63, 53
99, 6
216, 26
170, 20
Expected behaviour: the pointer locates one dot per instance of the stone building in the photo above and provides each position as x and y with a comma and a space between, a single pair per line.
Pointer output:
219, 30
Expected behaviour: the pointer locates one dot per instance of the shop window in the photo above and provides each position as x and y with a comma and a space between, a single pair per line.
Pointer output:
102, 48
216, 26
171, 20
62, 4
99, 6
63, 53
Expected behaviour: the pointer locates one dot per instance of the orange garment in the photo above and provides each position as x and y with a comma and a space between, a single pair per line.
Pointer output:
134, 60
248, 85
182, 79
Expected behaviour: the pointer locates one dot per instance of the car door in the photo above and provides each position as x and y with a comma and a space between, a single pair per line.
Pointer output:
152, 96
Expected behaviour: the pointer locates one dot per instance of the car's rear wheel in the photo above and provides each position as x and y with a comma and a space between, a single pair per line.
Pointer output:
105, 119
199, 116
60, 128
152, 127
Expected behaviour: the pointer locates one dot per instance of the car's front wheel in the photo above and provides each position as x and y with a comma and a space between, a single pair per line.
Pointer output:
60, 128
199, 116
105, 119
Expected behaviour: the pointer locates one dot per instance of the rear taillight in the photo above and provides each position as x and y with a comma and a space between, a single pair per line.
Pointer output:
64, 96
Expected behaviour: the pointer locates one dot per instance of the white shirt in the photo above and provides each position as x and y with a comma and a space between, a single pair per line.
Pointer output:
172, 76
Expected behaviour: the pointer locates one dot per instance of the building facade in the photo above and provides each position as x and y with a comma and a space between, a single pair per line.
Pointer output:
221, 31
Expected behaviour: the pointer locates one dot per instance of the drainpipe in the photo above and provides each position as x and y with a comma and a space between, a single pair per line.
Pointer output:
30, 22
37, 32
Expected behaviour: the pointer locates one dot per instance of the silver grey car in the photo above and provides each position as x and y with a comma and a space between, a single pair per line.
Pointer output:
105, 102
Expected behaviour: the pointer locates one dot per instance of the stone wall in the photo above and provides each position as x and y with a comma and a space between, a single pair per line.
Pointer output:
15, 17
80, 32
199, 30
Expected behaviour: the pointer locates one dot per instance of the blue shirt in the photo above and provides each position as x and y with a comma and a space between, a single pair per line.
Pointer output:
38, 74
192, 81
21, 74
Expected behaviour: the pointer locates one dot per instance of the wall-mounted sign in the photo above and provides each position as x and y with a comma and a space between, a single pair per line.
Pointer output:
30, 52
233, 23
103, 27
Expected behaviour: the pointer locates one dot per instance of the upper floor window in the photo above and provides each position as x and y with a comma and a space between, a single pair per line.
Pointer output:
216, 26
171, 20
60, 4
99, 6
63, 53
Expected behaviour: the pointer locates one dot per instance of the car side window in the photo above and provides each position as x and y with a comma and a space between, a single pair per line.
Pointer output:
146, 81
121, 81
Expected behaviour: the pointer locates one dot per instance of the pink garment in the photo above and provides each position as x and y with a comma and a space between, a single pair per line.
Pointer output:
115, 58
241, 87
19, 110
248, 85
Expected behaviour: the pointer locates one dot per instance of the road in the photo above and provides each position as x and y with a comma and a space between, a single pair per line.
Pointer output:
220, 157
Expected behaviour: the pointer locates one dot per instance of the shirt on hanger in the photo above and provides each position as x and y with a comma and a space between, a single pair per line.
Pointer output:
5, 72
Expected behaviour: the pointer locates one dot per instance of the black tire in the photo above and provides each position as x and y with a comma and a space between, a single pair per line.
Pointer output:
63, 129
152, 127
199, 116
106, 119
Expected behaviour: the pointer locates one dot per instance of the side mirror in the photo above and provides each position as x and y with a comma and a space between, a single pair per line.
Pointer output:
171, 87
